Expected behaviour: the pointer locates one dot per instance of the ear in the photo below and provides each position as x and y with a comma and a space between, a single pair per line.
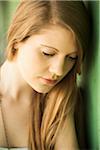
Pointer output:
16, 45
79, 70
15, 48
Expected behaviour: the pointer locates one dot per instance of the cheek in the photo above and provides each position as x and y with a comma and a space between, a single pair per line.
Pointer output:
68, 67
31, 61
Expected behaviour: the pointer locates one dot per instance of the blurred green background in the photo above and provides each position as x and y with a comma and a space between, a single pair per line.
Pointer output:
7, 9
90, 80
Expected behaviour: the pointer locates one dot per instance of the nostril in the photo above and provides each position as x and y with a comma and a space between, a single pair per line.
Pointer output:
57, 67
57, 71
55, 76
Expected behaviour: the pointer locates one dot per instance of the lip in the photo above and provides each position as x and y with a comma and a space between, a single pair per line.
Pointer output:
47, 81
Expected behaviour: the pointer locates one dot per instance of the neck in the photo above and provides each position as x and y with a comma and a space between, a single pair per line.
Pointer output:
12, 82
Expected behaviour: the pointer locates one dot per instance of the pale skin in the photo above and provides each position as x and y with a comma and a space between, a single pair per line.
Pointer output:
54, 50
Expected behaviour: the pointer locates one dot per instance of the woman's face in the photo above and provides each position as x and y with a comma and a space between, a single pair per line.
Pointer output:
53, 51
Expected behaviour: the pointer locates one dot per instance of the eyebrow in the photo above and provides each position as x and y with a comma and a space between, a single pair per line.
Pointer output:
50, 47
56, 49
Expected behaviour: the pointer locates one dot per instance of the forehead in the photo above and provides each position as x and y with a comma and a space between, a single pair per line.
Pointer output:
57, 37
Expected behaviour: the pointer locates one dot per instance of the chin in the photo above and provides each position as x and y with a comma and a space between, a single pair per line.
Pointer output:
43, 90
39, 87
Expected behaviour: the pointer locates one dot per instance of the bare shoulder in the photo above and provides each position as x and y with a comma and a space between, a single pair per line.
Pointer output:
67, 139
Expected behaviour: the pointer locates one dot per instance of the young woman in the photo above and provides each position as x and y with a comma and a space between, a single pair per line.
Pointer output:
38, 88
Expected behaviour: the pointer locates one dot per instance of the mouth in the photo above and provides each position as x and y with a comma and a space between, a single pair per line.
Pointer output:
48, 81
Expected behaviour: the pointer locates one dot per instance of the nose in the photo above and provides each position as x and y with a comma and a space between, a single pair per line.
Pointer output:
57, 67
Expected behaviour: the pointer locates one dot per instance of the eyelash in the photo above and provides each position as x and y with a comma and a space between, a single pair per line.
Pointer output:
48, 55
68, 57
72, 58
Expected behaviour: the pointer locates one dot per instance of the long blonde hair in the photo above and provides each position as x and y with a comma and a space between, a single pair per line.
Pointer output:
50, 111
